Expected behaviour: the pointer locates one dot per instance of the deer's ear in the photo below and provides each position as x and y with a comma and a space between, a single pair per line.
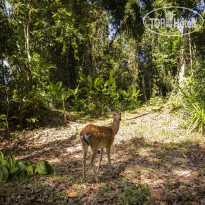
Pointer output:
109, 110
120, 109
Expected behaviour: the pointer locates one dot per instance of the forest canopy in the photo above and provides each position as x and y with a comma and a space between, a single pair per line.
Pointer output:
81, 55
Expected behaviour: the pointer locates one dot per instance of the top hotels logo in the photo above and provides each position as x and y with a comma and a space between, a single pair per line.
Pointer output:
173, 21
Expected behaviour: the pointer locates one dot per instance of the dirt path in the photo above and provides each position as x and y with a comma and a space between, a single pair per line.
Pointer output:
155, 162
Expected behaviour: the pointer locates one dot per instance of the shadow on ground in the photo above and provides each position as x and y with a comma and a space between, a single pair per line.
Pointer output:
152, 172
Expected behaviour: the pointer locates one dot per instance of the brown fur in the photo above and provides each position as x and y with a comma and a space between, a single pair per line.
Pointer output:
99, 137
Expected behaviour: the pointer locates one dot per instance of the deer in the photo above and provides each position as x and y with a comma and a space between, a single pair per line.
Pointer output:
97, 138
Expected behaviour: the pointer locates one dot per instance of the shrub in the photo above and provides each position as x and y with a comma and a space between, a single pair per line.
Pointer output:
16, 169
194, 104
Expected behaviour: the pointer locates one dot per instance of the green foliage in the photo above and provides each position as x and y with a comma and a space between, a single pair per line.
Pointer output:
197, 113
194, 103
110, 93
101, 94
59, 95
16, 169
24, 111
86, 64
76, 104
30, 110
131, 196
92, 91
96, 84
55, 92
2, 120
131, 97
44, 168
194, 107
4, 174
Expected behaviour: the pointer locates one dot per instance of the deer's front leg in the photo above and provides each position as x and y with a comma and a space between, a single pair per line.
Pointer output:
108, 157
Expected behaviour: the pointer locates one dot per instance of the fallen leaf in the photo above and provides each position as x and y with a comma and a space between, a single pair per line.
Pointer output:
72, 194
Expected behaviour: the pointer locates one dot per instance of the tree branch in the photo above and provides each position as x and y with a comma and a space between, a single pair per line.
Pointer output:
113, 38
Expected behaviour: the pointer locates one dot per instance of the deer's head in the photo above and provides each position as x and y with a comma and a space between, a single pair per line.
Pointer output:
116, 114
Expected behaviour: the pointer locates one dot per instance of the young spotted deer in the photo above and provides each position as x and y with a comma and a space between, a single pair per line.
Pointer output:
99, 137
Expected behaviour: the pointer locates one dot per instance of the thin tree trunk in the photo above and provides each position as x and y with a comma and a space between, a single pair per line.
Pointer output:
63, 100
191, 54
194, 51
27, 45
7, 97
90, 57
182, 65
7, 112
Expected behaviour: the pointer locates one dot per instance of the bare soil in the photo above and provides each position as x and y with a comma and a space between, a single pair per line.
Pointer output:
155, 161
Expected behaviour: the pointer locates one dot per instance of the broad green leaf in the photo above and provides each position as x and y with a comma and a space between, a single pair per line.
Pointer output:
49, 169
98, 81
3, 117
11, 162
36, 24
14, 170
30, 169
4, 173
83, 77
23, 173
90, 82
41, 168
21, 164
1, 157
44, 168
124, 93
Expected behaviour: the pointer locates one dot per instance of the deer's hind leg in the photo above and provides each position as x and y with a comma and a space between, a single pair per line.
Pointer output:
101, 153
94, 154
85, 150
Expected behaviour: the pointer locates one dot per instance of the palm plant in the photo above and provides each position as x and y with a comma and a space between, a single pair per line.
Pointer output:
194, 106
197, 113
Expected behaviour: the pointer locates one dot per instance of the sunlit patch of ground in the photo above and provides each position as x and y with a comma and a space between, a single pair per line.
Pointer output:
153, 157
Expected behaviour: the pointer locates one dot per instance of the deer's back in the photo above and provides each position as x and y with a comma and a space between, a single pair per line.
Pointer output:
99, 135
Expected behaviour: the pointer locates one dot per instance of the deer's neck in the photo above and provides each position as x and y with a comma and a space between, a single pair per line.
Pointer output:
115, 126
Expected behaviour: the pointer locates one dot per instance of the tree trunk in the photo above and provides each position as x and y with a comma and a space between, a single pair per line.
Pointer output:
90, 58
7, 96
64, 115
7, 112
191, 54
27, 45
182, 67
182, 64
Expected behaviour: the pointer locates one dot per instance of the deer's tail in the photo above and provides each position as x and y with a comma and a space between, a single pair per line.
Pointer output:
85, 137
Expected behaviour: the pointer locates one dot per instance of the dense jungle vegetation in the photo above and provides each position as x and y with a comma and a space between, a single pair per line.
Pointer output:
63, 62
87, 55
